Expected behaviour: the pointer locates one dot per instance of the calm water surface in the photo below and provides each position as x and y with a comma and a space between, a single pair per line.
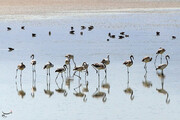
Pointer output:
92, 47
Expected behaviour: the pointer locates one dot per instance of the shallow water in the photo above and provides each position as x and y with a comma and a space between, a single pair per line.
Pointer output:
92, 47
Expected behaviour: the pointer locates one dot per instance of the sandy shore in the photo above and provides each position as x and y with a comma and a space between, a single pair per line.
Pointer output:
34, 7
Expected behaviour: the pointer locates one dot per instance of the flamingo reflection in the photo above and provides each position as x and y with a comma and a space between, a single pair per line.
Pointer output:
20, 92
162, 90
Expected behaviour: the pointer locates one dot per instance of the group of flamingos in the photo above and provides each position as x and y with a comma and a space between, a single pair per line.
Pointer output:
84, 68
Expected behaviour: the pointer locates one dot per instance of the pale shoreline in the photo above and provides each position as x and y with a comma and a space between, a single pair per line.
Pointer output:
21, 8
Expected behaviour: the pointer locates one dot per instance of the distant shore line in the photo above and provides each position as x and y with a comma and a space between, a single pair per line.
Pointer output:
61, 14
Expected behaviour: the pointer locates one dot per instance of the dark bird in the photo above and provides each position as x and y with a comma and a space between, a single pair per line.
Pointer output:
157, 33
81, 33
8, 28
49, 33
122, 33
23, 27
83, 27
121, 37
10, 49
90, 28
126, 35
173, 37
71, 32
33, 35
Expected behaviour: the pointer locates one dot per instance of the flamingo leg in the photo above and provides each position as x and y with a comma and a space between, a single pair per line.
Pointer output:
128, 77
79, 82
21, 79
16, 73
155, 60
98, 80
62, 81
49, 79
69, 69
56, 80
161, 58
34, 75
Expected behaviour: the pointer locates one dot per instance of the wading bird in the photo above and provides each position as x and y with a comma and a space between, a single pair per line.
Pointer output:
128, 64
159, 52
105, 84
48, 78
85, 69
68, 60
20, 67
79, 93
33, 63
146, 60
61, 71
163, 66
98, 93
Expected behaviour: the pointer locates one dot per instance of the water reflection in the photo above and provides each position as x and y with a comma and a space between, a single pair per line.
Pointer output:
128, 90
162, 90
20, 92
48, 91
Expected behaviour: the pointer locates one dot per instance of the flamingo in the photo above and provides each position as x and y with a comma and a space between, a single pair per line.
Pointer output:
20, 67
85, 65
163, 66
98, 93
79, 93
146, 60
159, 52
128, 64
106, 61
48, 79
69, 57
33, 63
61, 71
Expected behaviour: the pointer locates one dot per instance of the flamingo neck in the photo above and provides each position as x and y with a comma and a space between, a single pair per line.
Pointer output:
167, 60
131, 59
